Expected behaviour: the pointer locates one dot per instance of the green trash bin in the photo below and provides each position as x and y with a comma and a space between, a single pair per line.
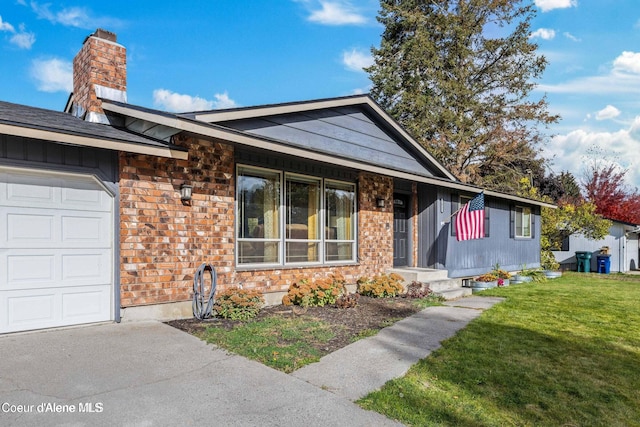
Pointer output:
584, 261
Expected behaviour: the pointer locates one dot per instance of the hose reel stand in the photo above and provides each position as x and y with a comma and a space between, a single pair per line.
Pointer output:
200, 309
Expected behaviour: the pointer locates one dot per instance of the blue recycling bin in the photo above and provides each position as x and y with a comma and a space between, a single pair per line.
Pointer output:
584, 261
604, 264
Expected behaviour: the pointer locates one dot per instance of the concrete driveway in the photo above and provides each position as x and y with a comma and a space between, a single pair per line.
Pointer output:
150, 374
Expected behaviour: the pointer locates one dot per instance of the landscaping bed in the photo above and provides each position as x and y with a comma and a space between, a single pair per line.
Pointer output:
346, 324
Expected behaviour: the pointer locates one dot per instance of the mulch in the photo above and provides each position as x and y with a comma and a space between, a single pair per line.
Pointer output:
369, 314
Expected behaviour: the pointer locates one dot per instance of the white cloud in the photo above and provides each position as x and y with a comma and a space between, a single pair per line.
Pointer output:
547, 5
336, 13
52, 75
72, 17
628, 61
177, 102
543, 33
608, 112
623, 78
568, 151
571, 37
23, 39
223, 101
5, 26
356, 60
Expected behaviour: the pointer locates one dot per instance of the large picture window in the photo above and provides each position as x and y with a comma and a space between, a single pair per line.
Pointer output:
522, 221
340, 241
281, 217
258, 216
302, 223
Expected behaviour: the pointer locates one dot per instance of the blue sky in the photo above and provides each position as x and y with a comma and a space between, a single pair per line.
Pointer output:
185, 56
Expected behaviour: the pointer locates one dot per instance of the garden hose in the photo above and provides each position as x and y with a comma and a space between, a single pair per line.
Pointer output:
200, 311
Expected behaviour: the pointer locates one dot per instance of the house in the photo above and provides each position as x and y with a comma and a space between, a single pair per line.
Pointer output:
93, 226
622, 244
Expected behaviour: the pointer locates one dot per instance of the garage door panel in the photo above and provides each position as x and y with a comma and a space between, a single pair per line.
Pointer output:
86, 268
56, 251
86, 304
85, 199
30, 228
47, 228
59, 307
31, 269
27, 271
81, 229
26, 309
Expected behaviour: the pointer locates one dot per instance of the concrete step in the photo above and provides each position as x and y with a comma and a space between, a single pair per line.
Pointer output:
455, 293
443, 285
423, 275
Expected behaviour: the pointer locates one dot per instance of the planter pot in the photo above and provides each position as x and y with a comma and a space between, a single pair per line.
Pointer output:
552, 274
483, 285
506, 282
522, 279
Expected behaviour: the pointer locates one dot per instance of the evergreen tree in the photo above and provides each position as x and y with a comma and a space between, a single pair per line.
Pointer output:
457, 74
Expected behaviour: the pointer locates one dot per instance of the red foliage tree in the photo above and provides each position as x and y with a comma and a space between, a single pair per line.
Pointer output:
605, 187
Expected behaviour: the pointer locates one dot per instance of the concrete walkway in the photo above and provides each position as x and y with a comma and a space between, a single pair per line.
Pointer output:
150, 374
366, 365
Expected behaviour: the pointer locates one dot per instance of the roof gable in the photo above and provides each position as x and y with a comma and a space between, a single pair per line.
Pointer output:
342, 131
323, 125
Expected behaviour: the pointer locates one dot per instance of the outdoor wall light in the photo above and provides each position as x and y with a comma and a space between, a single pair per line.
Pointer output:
380, 202
185, 192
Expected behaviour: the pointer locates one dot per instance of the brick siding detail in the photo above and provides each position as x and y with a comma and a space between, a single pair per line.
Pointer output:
163, 241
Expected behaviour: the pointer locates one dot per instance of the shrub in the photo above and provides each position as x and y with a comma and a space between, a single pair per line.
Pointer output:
318, 294
487, 277
382, 286
501, 274
347, 300
417, 290
238, 304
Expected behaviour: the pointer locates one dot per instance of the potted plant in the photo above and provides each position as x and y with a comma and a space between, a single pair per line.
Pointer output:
485, 281
503, 276
527, 275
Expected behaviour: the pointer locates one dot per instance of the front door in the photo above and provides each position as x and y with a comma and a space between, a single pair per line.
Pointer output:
400, 230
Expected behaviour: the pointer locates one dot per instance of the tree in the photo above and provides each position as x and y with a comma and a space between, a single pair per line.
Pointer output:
604, 184
445, 73
577, 217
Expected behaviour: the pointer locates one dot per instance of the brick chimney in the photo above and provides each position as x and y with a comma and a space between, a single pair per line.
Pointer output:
99, 71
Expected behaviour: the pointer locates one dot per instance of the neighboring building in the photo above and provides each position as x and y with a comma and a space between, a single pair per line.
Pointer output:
622, 242
92, 225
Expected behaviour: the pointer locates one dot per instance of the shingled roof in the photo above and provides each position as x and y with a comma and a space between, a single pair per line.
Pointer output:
39, 123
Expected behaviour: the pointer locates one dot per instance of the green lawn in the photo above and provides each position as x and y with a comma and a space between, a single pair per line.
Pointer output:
561, 353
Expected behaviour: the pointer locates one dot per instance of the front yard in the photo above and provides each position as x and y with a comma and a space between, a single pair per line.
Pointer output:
561, 353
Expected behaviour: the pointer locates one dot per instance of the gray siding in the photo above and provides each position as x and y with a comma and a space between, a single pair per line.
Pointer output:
30, 153
344, 132
438, 247
268, 160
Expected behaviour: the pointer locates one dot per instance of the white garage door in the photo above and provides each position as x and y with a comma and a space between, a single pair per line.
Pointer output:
56, 251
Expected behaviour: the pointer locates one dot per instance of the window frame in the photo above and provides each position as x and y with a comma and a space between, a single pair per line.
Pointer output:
294, 177
354, 223
238, 218
519, 212
459, 200
283, 211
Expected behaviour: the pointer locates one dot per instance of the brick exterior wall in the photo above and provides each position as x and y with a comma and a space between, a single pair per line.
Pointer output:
99, 62
163, 241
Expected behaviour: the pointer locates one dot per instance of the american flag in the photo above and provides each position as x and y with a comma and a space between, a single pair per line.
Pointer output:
470, 219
